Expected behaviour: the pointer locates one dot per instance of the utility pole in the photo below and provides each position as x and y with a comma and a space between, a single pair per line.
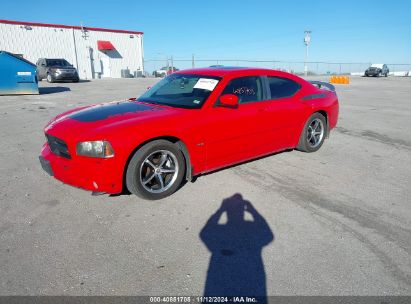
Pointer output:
172, 65
192, 61
307, 40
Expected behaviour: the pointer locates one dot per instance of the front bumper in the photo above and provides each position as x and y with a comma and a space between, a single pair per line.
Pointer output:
92, 174
65, 76
45, 164
372, 73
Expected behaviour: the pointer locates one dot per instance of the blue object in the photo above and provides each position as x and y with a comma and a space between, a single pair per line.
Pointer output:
17, 75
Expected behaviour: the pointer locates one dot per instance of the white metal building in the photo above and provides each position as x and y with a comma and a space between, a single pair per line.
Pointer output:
95, 52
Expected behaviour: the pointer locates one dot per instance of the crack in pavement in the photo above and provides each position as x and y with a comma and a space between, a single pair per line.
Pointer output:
377, 137
318, 204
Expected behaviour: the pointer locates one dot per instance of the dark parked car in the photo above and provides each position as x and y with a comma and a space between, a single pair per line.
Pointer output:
377, 70
56, 70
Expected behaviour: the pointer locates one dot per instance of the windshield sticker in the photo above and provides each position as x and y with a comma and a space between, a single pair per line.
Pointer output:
196, 101
206, 84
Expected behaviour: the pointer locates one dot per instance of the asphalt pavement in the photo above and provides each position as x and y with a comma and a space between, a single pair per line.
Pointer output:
334, 222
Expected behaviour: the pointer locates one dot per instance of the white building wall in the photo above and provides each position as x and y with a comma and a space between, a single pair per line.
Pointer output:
50, 42
127, 55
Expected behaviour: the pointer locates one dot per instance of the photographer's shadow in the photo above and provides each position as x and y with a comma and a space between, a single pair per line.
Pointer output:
236, 267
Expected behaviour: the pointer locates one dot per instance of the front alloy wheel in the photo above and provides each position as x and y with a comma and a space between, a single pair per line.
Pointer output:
159, 171
156, 170
50, 78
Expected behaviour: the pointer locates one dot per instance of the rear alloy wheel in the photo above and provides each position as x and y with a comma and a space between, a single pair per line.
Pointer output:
313, 135
156, 170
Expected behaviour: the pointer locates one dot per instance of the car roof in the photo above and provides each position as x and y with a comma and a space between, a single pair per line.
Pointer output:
221, 71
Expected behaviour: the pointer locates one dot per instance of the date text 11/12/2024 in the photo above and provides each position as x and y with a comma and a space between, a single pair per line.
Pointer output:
203, 299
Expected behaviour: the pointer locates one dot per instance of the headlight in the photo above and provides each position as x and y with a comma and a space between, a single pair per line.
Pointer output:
55, 71
98, 148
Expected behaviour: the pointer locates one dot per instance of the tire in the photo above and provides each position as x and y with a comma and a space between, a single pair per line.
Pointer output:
76, 80
50, 78
307, 142
143, 176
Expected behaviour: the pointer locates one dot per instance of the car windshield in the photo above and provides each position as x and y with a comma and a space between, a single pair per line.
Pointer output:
181, 91
57, 62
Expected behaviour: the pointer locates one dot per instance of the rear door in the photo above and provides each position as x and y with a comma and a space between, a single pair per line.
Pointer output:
284, 113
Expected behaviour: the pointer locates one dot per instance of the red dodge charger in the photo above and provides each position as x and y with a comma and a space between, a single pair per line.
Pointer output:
189, 123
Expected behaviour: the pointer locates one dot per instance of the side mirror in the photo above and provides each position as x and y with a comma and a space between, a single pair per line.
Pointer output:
229, 101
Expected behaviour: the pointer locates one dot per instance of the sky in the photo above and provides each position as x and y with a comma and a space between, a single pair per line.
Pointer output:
342, 31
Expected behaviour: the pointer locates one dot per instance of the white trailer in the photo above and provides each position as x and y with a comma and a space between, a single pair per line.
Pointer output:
95, 52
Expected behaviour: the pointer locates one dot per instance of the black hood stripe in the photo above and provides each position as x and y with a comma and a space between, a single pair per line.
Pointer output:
106, 110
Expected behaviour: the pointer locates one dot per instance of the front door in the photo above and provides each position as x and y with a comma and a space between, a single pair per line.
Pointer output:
234, 135
105, 62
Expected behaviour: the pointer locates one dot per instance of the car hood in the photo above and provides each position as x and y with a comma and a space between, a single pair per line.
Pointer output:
62, 67
96, 120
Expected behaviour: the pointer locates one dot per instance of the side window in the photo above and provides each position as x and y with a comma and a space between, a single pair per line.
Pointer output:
282, 87
248, 89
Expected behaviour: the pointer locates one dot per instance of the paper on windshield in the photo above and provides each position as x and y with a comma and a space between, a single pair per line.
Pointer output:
206, 84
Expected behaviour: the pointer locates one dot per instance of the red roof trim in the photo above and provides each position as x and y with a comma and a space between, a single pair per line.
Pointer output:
98, 29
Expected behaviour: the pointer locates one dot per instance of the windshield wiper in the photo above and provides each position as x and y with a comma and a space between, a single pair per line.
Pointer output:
172, 105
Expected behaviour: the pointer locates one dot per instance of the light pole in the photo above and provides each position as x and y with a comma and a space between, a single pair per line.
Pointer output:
166, 60
307, 40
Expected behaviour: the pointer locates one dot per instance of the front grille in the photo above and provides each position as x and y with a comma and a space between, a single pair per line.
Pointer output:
58, 146
67, 72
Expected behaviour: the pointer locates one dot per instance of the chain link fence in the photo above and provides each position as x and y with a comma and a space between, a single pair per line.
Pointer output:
296, 67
